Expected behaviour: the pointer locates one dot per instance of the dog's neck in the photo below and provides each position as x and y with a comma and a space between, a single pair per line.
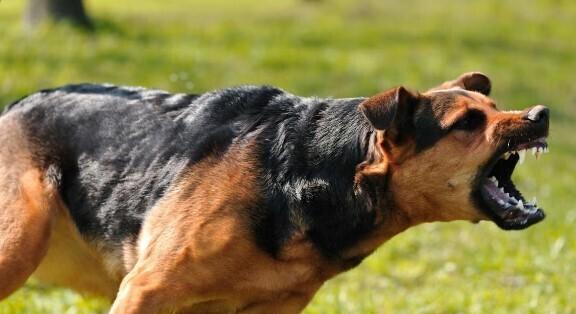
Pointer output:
320, 198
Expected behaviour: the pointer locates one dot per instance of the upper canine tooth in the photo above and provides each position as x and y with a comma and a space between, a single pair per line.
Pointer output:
520, 204
522, 156
534, 150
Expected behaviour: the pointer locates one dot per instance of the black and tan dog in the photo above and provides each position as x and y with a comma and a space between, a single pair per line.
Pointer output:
243, 200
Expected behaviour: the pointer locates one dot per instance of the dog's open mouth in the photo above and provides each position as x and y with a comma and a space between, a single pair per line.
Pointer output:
501, 200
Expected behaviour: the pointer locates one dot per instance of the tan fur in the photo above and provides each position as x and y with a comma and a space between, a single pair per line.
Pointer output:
449, 167
37, 234
71, 262
26, 206
198, 249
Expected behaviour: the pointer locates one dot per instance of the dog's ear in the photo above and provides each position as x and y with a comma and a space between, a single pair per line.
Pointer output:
472, 81
381, 110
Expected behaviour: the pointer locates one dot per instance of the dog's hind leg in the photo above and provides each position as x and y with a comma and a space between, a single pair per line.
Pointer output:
27, 201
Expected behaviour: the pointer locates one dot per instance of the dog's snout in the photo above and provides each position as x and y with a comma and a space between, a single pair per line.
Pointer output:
537, 114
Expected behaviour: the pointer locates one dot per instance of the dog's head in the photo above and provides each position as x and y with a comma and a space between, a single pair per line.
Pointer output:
449, 153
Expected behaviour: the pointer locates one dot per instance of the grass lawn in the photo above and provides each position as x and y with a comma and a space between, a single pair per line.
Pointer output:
343, 49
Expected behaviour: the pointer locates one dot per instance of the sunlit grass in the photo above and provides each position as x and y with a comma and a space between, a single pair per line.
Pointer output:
344, 49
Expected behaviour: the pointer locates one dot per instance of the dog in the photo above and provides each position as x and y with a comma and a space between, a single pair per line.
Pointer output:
246, 199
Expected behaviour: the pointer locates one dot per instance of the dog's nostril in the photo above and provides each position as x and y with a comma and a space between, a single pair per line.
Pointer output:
537, 113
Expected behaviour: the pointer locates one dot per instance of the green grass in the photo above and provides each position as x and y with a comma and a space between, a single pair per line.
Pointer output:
344, 49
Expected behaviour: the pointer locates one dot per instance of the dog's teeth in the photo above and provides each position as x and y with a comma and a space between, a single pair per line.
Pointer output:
502, 190
507, 155
501, 202
520, 205
546, 150
534, 201
522, 156
493, 180
531, 209
538, 153
534, 150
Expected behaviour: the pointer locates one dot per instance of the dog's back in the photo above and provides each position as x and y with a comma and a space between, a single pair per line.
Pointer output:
114, 151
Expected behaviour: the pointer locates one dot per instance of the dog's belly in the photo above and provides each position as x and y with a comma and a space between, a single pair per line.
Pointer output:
71, 262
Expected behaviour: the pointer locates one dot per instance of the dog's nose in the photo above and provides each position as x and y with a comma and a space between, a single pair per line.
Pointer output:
537, 114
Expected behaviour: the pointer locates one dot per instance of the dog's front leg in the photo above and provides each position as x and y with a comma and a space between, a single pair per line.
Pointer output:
140, 292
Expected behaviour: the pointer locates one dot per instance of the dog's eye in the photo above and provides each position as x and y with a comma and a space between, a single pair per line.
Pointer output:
472, 120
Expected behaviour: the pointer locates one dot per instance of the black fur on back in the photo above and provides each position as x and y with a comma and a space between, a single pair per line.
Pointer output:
119, 149
310, 150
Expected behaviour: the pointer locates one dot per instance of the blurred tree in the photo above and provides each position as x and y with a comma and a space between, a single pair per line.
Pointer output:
72, 11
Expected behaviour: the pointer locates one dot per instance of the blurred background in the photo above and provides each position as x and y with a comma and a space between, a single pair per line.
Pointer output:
342, 48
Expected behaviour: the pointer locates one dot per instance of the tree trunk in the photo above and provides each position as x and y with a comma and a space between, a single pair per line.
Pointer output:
57, 10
